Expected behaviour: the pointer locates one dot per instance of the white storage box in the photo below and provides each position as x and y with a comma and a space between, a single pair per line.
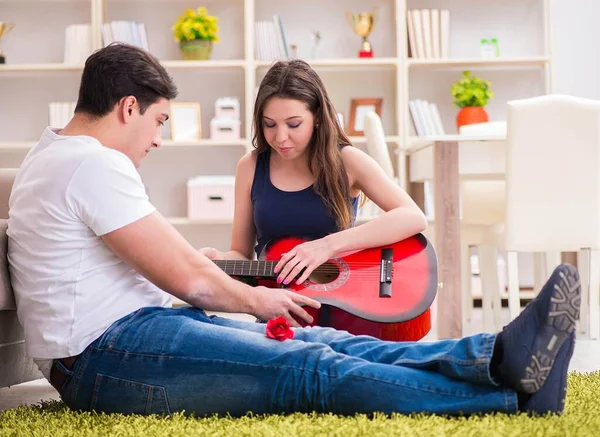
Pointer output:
227, 107
211, 197
224, 129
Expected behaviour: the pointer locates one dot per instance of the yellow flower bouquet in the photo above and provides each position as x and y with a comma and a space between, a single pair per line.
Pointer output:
196, 31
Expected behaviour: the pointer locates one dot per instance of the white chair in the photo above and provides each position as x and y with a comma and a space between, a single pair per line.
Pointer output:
376, 144
377, 148
552, 194
553, 190
485, 202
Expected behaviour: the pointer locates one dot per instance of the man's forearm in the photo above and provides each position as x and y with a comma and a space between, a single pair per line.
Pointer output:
212, 289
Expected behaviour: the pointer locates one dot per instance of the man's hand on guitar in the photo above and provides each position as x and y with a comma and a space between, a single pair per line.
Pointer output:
275, 302
212, 253
307, 256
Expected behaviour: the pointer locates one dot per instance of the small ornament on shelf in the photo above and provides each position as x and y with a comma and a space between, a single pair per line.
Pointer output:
359, 107
471, 94
186, 121
494, 42
362, 23
489, 49
225, 126
293, 51
316, 37
196, 31
4, 29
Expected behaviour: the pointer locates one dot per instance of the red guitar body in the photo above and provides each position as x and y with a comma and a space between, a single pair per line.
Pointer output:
384, 292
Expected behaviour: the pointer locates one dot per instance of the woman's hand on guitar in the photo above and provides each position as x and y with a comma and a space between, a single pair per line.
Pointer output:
275, 302
212, 253
307, 256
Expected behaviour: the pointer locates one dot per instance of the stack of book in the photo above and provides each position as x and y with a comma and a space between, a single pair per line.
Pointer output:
426, 118
129, 32
78, 43
60, 113
428, 33
269, 37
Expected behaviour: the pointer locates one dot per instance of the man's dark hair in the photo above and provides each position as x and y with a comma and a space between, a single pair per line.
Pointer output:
120, 70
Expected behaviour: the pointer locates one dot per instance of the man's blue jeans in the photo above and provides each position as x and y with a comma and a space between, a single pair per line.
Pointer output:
164, 360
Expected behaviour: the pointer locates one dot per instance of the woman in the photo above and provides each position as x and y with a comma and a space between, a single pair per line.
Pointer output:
304, 178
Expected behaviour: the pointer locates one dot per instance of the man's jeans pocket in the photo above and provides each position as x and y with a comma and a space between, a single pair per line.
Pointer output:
115, 395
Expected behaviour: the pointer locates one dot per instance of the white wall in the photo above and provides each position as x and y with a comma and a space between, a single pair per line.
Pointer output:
576, 55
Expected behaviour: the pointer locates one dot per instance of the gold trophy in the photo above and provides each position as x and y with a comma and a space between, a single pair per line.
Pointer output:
363, 23
4, 29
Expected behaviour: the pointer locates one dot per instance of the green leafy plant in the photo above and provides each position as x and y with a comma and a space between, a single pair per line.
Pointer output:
196, 25
471, 91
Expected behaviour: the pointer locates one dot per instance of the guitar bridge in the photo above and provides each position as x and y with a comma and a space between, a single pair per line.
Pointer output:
385, 273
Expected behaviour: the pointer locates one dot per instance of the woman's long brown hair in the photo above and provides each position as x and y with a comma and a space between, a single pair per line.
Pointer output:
295, 79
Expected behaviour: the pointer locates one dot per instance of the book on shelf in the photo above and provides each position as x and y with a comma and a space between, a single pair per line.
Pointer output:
270, 41
60, 113
78, 43
130, 32
428, 33
426, 118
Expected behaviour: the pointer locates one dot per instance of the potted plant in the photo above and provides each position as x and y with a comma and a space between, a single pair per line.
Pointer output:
196, 31
471, 94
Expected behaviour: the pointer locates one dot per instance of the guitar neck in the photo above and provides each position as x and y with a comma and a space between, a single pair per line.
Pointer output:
254, 269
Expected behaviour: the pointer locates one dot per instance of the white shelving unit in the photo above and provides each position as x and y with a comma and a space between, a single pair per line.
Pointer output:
34, 75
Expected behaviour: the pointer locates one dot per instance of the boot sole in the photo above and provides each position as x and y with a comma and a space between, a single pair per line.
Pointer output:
563, 314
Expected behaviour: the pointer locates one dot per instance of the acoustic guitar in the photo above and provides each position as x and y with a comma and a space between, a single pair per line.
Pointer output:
384, 292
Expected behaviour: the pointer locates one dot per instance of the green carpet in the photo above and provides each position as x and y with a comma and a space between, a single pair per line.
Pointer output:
581, 418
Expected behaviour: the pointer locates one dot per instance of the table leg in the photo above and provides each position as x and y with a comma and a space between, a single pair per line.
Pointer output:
447, 240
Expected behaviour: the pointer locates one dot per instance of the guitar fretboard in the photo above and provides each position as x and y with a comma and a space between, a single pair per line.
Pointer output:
262, 269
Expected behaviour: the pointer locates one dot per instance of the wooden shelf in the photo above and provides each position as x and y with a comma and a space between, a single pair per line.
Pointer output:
175, 64
25, 145
166, 144
225, 63
184, 221
526, 62
40, 68
17, 145
363, 140
417, 143
342, 62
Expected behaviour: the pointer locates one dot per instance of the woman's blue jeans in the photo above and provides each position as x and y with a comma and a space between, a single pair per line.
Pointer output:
165, 360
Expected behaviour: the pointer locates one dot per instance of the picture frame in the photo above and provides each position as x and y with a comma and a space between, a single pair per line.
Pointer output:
186, 121
359, 107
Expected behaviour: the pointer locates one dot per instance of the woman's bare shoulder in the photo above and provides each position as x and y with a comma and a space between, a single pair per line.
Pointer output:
245, 167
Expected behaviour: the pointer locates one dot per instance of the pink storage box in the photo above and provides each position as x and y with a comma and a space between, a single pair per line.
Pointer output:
210, 197
227, 107
224, 129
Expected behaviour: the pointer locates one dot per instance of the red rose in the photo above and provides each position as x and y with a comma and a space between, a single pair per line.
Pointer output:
279, 329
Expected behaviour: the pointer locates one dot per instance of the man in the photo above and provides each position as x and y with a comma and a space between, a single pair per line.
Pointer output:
93, 265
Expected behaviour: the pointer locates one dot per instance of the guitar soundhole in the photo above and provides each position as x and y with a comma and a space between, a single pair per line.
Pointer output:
328, 276
325, 274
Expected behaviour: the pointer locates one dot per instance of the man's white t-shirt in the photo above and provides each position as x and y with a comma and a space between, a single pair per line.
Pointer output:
69, 286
